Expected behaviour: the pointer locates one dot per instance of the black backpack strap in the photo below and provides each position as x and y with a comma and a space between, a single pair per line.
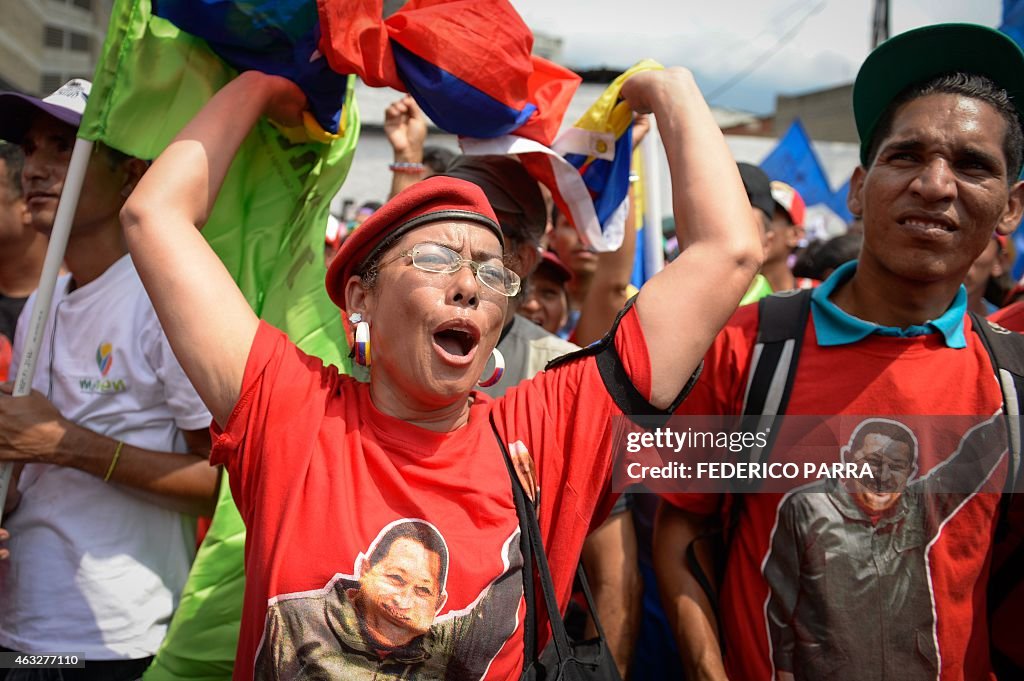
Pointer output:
782, 319
1006, 351
588, 596
782, 322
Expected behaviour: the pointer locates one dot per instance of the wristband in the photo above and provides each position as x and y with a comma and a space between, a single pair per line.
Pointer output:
113, 461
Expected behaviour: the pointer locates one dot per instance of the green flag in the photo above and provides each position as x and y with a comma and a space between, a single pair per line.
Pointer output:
267, 226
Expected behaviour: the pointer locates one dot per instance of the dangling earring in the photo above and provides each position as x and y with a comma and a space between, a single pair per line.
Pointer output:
499, 369
361, 347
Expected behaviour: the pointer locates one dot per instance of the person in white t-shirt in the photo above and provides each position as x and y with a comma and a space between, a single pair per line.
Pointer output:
111, 447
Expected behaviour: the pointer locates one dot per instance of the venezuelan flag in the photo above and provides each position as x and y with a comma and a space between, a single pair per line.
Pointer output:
468, 63
587, 167
274, 36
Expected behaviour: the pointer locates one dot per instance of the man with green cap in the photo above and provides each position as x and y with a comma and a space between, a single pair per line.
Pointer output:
938, 110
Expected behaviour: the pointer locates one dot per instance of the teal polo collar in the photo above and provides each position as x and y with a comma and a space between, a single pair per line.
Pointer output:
834, 326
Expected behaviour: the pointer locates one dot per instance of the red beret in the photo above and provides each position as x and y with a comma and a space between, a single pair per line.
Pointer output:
436, 198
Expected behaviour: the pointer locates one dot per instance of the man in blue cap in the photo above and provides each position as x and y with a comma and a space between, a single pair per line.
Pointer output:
938, 110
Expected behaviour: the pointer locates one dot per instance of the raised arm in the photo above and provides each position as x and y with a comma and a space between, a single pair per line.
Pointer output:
405, 126
682, 308
206, 318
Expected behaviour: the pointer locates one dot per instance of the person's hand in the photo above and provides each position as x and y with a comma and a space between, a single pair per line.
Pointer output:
285, 101
31, 428
4, 536
406, 129
645, 89
641, 126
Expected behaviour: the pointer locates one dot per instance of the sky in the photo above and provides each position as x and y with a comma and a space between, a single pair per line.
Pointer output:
789, 46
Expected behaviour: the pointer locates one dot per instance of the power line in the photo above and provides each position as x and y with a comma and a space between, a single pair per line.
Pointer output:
767, 54
731, 48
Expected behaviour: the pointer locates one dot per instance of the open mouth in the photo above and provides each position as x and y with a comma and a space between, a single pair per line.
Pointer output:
457, 340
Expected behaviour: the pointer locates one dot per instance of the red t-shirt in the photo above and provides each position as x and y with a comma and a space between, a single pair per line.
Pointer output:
878, 376
1010, 317
321, 477
5, 357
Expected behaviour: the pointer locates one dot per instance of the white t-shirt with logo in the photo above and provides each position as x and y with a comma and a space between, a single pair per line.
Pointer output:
93, 569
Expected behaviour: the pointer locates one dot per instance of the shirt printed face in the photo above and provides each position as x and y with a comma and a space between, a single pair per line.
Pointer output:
400, 595
891, 463
385, 618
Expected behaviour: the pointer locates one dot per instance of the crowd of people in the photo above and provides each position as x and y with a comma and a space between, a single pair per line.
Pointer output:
495, 354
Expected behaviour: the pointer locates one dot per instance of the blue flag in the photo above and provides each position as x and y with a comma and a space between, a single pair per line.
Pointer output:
1013, 20
838, 202
794, 162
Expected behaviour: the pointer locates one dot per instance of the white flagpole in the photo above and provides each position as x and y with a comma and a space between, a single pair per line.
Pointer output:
47, 283
654, 249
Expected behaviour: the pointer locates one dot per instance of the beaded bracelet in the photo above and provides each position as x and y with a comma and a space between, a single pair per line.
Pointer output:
406, 167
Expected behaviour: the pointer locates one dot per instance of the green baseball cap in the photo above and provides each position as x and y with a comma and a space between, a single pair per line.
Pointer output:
929, 51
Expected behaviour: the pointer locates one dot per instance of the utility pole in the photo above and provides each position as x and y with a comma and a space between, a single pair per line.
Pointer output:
880, 23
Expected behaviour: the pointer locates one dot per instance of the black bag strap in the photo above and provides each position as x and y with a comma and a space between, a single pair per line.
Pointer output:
530, 528
618, 383
581, 575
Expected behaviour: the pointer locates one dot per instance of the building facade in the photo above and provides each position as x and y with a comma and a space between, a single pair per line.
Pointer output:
44, 43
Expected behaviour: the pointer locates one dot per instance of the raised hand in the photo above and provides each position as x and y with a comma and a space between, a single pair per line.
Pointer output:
406, 128
285, 101
646, 88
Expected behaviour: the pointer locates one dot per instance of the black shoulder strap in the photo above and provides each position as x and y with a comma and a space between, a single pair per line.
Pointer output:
1006, 351
617, 382
597, 346
782, 320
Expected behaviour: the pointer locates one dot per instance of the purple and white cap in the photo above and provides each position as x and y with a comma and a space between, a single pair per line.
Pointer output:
67, 105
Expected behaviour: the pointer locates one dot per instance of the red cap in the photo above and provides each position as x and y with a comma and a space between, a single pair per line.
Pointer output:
436, 198
789, 200
555, 267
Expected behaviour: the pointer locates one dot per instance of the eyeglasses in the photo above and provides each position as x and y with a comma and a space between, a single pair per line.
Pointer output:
442, 260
